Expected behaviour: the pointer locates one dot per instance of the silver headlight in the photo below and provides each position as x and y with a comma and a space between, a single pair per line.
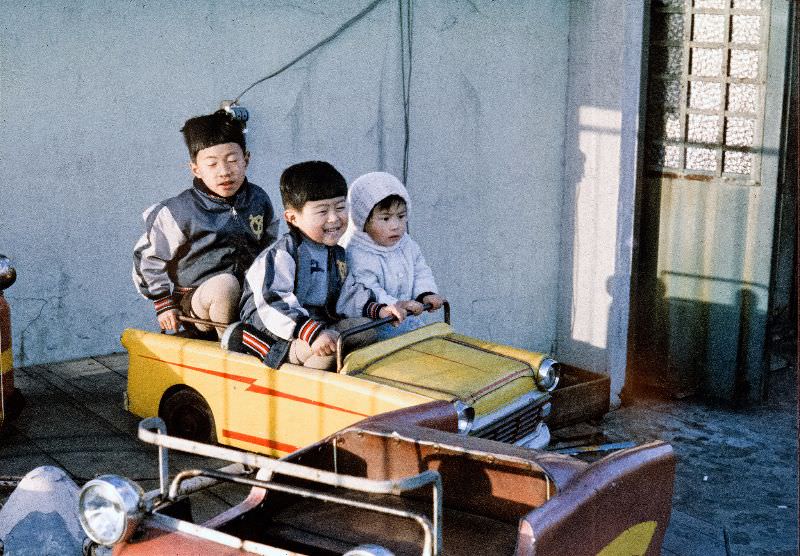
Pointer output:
466, 416
110, 508
547, 374
369, 550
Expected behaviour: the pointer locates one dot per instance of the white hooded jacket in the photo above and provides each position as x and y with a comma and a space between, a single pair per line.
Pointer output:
378, 274
391, 273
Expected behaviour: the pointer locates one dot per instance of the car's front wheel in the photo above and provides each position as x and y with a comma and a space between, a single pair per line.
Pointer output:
187, 415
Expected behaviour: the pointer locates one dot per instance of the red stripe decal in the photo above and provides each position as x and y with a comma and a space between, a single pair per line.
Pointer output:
255, 388
237, 378
271, 392
259, 441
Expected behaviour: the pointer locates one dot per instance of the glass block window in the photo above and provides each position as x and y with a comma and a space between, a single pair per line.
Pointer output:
706, 88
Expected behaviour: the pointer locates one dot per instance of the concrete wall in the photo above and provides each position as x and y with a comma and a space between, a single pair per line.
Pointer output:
93, 95
602, 127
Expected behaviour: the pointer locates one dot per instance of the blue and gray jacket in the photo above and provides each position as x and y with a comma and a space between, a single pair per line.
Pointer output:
196, 235
290, 292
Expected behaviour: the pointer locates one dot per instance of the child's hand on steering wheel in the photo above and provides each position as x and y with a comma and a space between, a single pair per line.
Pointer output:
434, 300
412, 307
169, 320
395, 310
325, 343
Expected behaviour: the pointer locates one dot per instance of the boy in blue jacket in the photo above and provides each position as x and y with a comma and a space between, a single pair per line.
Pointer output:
288, 307
197, 245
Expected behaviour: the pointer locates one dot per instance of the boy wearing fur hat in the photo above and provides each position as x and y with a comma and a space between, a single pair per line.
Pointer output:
382, 259
197, 245
288, 306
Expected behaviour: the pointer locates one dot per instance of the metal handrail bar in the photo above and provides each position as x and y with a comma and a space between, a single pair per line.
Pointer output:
205, 322
164, 442
374, 324
432, 544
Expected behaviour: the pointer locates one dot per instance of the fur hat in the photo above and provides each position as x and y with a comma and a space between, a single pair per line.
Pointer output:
206, 131
369, 190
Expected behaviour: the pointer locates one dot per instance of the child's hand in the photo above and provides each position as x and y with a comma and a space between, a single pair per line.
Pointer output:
168, 320
325, 344
411, 306
436, 301
396, 311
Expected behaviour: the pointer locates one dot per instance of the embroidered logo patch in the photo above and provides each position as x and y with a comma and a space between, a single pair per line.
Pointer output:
257, 224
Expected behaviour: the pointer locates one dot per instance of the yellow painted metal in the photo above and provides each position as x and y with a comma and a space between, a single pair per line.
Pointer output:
533, 358
365, 356
438, 363
255, 407
443, 369
633, 540
6, 361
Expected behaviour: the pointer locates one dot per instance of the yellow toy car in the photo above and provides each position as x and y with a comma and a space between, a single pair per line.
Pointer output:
208, 394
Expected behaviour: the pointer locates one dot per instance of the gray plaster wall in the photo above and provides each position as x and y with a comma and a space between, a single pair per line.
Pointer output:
93, 94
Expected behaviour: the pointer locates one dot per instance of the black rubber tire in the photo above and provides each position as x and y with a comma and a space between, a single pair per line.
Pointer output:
187, 415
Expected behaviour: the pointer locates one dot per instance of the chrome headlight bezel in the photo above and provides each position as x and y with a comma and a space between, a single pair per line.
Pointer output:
548, 374
122, 504
466, 417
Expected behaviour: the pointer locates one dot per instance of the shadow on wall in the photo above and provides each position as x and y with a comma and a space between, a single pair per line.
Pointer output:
687, 346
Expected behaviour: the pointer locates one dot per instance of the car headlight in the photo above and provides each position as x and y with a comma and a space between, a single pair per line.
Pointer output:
466, 416
110, 508
547, 374
369, 550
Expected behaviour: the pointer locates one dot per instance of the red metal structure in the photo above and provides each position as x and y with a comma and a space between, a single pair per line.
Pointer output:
10, 398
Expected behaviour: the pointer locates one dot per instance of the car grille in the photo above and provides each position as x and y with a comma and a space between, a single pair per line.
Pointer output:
515, 426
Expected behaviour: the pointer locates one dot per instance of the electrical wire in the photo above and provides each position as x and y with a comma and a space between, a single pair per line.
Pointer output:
406, 8
346, 25
406, 27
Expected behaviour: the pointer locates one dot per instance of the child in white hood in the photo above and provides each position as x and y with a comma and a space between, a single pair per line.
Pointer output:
385, 266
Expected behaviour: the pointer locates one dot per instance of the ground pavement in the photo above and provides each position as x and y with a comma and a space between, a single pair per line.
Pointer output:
735, 490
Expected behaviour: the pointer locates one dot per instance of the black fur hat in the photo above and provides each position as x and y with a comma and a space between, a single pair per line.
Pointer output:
202, 132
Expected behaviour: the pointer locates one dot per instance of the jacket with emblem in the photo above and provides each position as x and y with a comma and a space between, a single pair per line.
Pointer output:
290, 291
196, 235
379, 275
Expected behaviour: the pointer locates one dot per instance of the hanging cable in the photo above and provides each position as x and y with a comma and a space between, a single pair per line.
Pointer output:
346, 25
406, 25
406, 9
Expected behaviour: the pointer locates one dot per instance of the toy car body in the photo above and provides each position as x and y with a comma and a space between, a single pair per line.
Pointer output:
11, 400
393, 485
207, 394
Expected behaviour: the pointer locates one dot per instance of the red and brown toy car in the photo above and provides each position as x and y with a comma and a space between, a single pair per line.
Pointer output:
399, 483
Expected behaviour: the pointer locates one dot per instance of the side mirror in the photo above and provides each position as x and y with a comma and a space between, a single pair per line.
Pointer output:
8, 275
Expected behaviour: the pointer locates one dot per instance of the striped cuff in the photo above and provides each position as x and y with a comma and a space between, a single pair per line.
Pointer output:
308, 330
166, 303
372, 310
255, 343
